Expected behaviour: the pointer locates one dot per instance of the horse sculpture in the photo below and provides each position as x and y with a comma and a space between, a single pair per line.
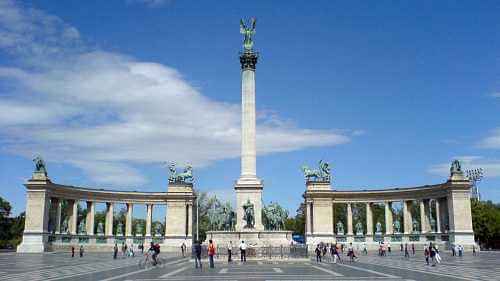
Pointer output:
322, 174
180, 177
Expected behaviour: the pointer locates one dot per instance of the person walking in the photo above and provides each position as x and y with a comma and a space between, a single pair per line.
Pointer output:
426, 255
81, 251
401, 247
72, 251
229, 251
407, 254
243, 251
115, 251
453, 250
350, 253
365, 250
432, 254
413, 249
211, 253
389, 247
318, 253
197, 252
183, 249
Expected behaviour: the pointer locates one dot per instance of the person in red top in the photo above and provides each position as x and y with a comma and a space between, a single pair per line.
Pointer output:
211, 253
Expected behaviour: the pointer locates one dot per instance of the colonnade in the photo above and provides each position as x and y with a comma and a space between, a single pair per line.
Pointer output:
45, 199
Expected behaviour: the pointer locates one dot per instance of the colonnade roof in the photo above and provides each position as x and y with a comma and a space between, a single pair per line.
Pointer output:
175, 192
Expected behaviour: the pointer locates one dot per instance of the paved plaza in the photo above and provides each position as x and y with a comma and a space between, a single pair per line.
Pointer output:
60, 266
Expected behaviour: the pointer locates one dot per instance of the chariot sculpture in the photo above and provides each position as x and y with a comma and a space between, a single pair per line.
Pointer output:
180, 177
320, 175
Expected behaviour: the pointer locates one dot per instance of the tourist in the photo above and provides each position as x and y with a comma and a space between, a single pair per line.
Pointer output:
243, 251
350, 253
81, 251
407, 254
460, 250
155, 249
401, 247
115, 251
426, 254
432, 253
72, 251
124, 249
413, 249
323, 251
229, 251
336, 255
183, 249
197, 252
365, 249
388, 247
437, 256
211, 253
453, 250
318, 253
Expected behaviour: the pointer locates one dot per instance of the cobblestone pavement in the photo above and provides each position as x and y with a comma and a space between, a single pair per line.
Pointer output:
60, 266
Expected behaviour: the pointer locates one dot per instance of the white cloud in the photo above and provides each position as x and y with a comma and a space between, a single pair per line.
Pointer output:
496, 95
492, 141
106, 113
491, 167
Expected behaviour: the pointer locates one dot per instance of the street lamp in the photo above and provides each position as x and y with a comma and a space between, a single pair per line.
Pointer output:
475, 176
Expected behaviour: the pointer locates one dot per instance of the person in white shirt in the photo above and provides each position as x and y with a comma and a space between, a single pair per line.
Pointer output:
229, 251
243, 251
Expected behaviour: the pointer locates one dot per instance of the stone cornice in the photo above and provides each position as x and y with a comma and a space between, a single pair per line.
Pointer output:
105, 195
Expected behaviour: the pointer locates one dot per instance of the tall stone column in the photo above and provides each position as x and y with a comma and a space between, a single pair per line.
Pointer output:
189, 217
369, 219
423, 217
109, 219
128, 219
149, 219
309, 218
249, 186
58, 205
349, 219
438, 217
407, 218
388, 218
89, 222
35, 235
73, 216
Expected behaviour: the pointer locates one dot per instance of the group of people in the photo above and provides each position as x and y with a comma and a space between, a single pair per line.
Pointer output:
458, 250
126, 250
334, 251
211, 252
73, 251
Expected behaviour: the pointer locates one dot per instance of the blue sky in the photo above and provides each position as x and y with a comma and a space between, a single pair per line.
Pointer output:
389, 92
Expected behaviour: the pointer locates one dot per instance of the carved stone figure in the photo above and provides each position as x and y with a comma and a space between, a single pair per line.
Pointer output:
138, 229
81, 227
40, 165
100, 228
248, 32
340, 228
158, 228
64, 227
415, 226
378, 227
119, 229
248, 214
185, 176
456, 167
322, 174
432, 222
397, 226
359, 228
274, 216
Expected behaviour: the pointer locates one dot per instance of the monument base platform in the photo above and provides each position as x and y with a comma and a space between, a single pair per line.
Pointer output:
254, 238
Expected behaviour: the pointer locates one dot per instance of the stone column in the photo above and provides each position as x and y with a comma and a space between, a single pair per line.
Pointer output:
438, 217
388, 218
89, 221
460, 215
189, 217
58, 204
109, 219
35, 235
349, 219
128, 219
407, 218
309, 218
423, 224
149, 219
73, 216
369, 219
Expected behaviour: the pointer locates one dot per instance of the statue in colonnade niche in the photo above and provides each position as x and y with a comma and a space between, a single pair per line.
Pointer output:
415, 226
64, 227
340, 228
359, 228
397, 226
81, 227
432, 222
100, 228
378, 227
138, 229
119, 229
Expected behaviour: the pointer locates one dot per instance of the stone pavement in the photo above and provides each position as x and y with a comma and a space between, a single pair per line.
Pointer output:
60, 266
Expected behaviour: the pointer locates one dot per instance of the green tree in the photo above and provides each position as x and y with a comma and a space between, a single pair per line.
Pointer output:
486, 222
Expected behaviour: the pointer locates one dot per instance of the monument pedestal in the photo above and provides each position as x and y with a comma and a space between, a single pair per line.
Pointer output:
249, 191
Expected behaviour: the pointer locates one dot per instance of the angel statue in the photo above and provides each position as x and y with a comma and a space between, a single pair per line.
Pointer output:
248, 32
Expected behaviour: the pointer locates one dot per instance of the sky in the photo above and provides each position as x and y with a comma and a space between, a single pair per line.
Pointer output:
388, 92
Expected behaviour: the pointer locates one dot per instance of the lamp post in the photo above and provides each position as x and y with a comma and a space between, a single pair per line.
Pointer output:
475, 176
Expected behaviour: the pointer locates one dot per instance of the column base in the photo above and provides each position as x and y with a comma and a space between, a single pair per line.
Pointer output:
33, 243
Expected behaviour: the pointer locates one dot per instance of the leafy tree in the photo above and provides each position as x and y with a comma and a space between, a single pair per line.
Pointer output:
486, 222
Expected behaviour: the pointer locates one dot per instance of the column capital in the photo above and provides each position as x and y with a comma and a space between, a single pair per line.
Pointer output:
248, 60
